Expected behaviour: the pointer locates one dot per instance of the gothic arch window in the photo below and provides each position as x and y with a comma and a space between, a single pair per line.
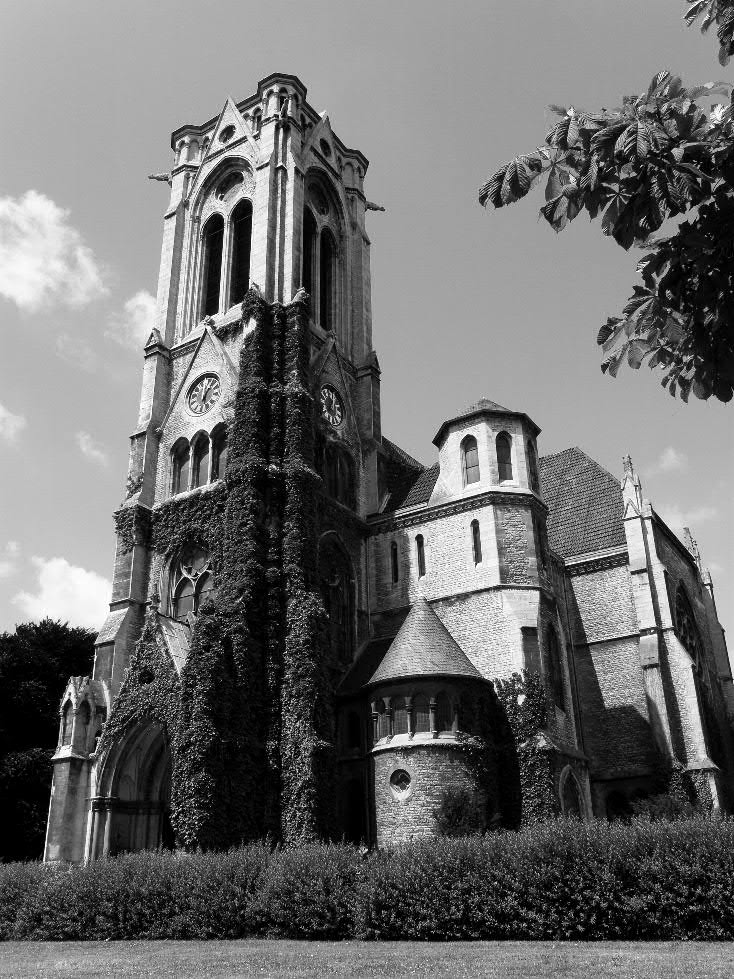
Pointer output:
337, 593
327, 279
686, 628
444, 714
503, 444
219, 452
239, 277
200, 460
83, 718
213, 245
421, 715
399, 716
394, 563
181, 465
420, 550
470, 460
571, 804
309, 241
476, 542
192, 581
533, 468
340, 476
282, 98
257, 121
553, 663
67, 720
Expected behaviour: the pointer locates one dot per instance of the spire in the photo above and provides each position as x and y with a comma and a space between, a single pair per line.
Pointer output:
631, 488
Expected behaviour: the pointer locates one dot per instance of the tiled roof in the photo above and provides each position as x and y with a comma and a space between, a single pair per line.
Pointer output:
420, 491
406, 478
401, 454
478, 408
364, 666
585, 503
423, 647
484, 404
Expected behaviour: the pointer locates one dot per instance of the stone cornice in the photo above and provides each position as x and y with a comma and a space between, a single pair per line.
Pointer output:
384, 523
587, 563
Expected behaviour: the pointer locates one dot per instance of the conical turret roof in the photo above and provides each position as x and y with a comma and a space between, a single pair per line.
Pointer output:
423, 647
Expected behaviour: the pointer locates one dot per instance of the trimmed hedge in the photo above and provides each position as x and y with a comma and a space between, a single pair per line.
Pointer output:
558, 880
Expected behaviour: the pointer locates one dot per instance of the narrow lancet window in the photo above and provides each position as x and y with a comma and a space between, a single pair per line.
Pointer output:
309, 240
181, 467
504, 457
219, 452
239, 280
394, 567
476, 542
327, 259
213, 239
470, 460
200, 468
421, 555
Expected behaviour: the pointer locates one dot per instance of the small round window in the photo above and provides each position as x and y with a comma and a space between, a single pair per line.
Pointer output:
400, 783
226, 134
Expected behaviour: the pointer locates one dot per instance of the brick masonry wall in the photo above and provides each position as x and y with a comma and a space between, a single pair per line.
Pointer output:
514, 531
432, 769
601, 605
616, 728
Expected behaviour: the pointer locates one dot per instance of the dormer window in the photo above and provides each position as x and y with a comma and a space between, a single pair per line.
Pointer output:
470, 460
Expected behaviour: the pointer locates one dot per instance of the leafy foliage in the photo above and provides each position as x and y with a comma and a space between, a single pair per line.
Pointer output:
35, 663
719, 12
561, 880
658, 156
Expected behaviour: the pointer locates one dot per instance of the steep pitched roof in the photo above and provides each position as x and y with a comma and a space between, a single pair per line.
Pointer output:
423, 647
408, 481
481, 407
585, 503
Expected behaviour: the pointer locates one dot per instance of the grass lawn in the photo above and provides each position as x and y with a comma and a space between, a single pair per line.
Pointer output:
454, 960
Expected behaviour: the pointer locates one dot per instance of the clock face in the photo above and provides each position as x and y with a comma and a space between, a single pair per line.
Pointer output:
204, 394
332, 407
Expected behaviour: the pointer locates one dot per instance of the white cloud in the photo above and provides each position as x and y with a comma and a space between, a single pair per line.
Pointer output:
133, 325
10, 425
76, 352
8, 557
43, 259
91, 450
670, 461
66, 592
677, 518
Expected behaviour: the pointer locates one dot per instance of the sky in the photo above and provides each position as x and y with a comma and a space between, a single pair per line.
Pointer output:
466, 303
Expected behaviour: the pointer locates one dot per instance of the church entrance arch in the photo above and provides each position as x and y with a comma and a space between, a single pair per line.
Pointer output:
132, 811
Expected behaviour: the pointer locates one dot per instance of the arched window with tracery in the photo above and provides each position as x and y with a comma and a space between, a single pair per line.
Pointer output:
213, 246
239, 276
553, 662
181, 465
200, 460
309, 241
470, 460
219, 452
327, 279
503, 444
337, 593
192, 581
67, 719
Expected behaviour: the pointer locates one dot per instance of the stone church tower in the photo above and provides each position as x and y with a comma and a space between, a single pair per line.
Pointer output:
311, 634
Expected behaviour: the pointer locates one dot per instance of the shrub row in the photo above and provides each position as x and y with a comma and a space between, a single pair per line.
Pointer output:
559, 880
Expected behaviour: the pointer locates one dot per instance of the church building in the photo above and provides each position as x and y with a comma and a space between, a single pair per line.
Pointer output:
313, 635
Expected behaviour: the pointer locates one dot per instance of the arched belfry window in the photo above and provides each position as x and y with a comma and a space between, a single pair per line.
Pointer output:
504, 457
327, 279
257, 121
181, 458
470, 460
219, 452
239, 276
200, 460
192, 581
213, 244
553, 663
